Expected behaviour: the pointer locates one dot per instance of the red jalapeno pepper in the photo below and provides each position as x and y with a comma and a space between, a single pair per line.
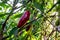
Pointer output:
24, 18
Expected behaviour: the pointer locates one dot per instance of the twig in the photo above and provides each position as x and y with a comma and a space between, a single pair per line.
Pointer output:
52, 30
51, 33
15, 2
52, 7
51, 23
4, 24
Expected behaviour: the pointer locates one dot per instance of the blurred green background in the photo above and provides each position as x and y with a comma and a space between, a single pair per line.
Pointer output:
47, 13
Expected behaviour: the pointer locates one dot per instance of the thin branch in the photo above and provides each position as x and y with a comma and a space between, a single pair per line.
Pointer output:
51, 33
51, 23
52, 30
4, 24
15, 2
52, 7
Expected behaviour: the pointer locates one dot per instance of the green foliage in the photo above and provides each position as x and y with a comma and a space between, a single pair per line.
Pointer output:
1, 15
13, 31
41, 27
38, 6
57, 22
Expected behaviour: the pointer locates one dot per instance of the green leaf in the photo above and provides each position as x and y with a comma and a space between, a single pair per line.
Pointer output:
4, 5
1, 15
38, 6
57, 22
13, 31
4, 1
16, 16
23, 36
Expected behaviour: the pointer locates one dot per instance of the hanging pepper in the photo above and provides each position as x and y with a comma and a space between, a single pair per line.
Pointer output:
23, 19
28, 27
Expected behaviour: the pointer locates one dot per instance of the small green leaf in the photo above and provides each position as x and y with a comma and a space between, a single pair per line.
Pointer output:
13, 31
1, 15
57, 22
38, 6
18, 15
4, 5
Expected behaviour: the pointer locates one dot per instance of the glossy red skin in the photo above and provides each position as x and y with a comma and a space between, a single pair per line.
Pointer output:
23, 19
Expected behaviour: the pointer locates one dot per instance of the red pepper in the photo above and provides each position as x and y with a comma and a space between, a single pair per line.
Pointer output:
23, 19
28, 27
